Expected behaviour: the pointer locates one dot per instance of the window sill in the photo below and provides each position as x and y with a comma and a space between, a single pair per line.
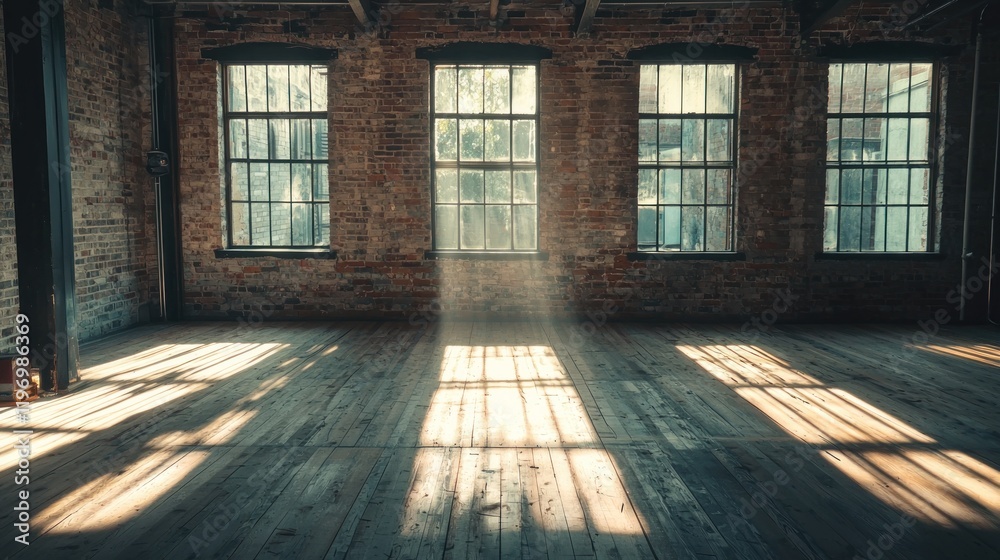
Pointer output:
277, 252
684, 256
488, 255
872, 256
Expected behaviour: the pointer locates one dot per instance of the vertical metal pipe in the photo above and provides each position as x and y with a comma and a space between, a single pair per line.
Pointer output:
966, 255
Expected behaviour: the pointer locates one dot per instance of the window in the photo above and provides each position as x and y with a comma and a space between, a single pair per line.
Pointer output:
878, 171
275, 123
485, 157
687, 116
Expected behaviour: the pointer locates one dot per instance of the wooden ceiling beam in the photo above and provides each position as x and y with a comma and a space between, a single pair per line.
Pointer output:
361, 9
587, 17
825, 13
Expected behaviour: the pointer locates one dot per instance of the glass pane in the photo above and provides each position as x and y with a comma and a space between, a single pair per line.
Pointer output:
647, 186
237, 88
898, 137
718, 184
832, 186
239, 219
647, 140
920, 88
896, 228
647, 88
717, 229
832, 139
239, 181
238, 138
257, 138
301, 139
498, 233
851, 136
693, 141
525, 187
919, 186
471, 183
646, 232
498, 186
446, 227
670, 228
874, 186
446, 186
302, 233
446, 139
719, 140
496, 90
693, 184
670, 138
898, 186
445, 94
471, 139
277, 90
259, 187
525, 227
876, 90
670, 186
692, 228
281, 182
281, 224
321, 182
524, 90
524, 140
298, 84
321, 224
850, 228
899, 88
320, 143
720, 88
279, 142
918, 229
850, 186
497, 140
873, 228
830, 228
694, 88
833, 101
302, 182
318, 83
918, 139
473, 227
256, 87
670, 88
470, 90
853, 89
874, 145
260, 224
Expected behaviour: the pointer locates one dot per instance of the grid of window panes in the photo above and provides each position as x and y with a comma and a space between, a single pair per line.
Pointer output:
485, 157
275, 122
687, 115
878, 170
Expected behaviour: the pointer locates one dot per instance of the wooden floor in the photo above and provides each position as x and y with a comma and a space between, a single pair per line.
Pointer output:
516, 440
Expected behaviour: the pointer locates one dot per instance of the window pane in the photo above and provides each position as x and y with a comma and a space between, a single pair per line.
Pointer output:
446, 227
498, 226
321, 224
256, 87
446, 139
260, 224
279, 142
693, 141
239, 181
694, 88
851, 136
298, 82
471, 183
317, 81
498, 186
237, 88
473, 227
920, 88
670, 88
692, 228
239, 222
719, 140
446, 185
647, 88
898, 137
873, 148
524, 140
646, 234
525, 188
832, 186
873, 228
876, 90
850, 228
301, 139
830, 228
320, 143
874, 186
899, 88
647, 140
717, 228
832, 139
896, 228
718, 184
257, 138
918, 139
898, 186
670, 186
720, 88
281, 182
647, 186
321, 182
525, 227
470, 90
497, 140
445, 94
833, 101
918, 228
302, 182
854, 88
693, 183
524, 90
670, 228
277, 88
259, 184
471, 139
302, 233
919, 186
850, 186
237, 138
496, 90
670, 138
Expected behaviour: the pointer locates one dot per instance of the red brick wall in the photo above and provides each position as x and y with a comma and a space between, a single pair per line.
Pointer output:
8, 247
380, 176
